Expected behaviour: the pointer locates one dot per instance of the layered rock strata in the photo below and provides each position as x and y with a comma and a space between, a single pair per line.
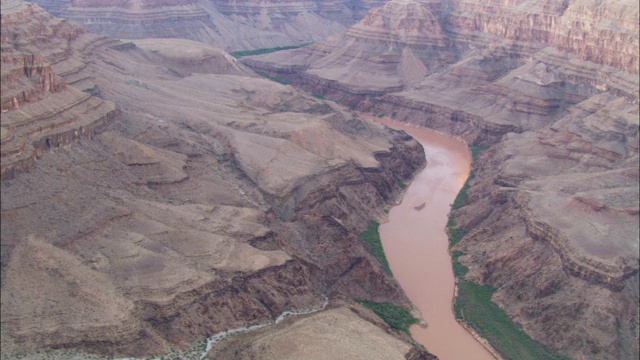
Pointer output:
553, 211
232, 25
605, 33
39, 111
215, 201
370, 61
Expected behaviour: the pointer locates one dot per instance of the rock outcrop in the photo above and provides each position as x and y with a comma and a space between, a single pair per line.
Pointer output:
605, 33
39, 111
212, 199
384, 52
553, 89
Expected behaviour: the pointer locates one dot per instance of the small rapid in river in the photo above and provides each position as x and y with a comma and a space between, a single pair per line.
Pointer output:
416, 244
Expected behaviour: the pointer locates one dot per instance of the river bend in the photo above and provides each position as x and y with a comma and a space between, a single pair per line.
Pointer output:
416, 244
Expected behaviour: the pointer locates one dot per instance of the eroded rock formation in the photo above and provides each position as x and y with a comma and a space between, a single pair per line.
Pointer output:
215, 198
39, 111
232, 25
384, 52
552, 214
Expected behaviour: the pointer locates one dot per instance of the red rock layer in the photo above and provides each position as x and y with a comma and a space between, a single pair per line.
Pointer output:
39, 111
605, 33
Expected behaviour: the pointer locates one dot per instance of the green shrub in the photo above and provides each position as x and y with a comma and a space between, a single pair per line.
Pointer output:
455, 234
476, 150
397, 317
243, 53
277, 79
459, 270
474, 306
371, 237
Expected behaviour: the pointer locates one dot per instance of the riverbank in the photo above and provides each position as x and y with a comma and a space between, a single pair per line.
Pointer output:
417, 247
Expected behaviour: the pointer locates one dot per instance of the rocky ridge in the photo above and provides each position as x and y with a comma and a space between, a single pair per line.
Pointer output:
39, 111
187, 186
554, 91
361, 58
231, 25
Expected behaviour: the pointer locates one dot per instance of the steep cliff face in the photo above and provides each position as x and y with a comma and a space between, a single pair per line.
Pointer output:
605, 33
251, 10
210, 202
552, 87
26, 78
39, 111
560, 213
140, 19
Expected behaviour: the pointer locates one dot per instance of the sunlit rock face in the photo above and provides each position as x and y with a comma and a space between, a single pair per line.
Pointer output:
157, 191
603, 32
552, 87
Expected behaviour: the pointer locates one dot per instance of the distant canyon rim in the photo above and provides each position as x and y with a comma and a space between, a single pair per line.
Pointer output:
156, 190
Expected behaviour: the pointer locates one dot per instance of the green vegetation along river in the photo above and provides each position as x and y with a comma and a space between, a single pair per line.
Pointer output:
416, 245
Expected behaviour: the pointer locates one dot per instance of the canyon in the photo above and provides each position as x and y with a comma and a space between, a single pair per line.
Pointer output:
551, 89
157, 191
228, 24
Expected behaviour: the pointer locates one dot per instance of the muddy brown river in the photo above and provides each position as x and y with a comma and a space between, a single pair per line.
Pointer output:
416, 244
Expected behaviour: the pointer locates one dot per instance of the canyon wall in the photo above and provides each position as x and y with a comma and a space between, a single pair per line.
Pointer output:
605, 33
154, 164
552, 89
231, 25
175, 194
39, 111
